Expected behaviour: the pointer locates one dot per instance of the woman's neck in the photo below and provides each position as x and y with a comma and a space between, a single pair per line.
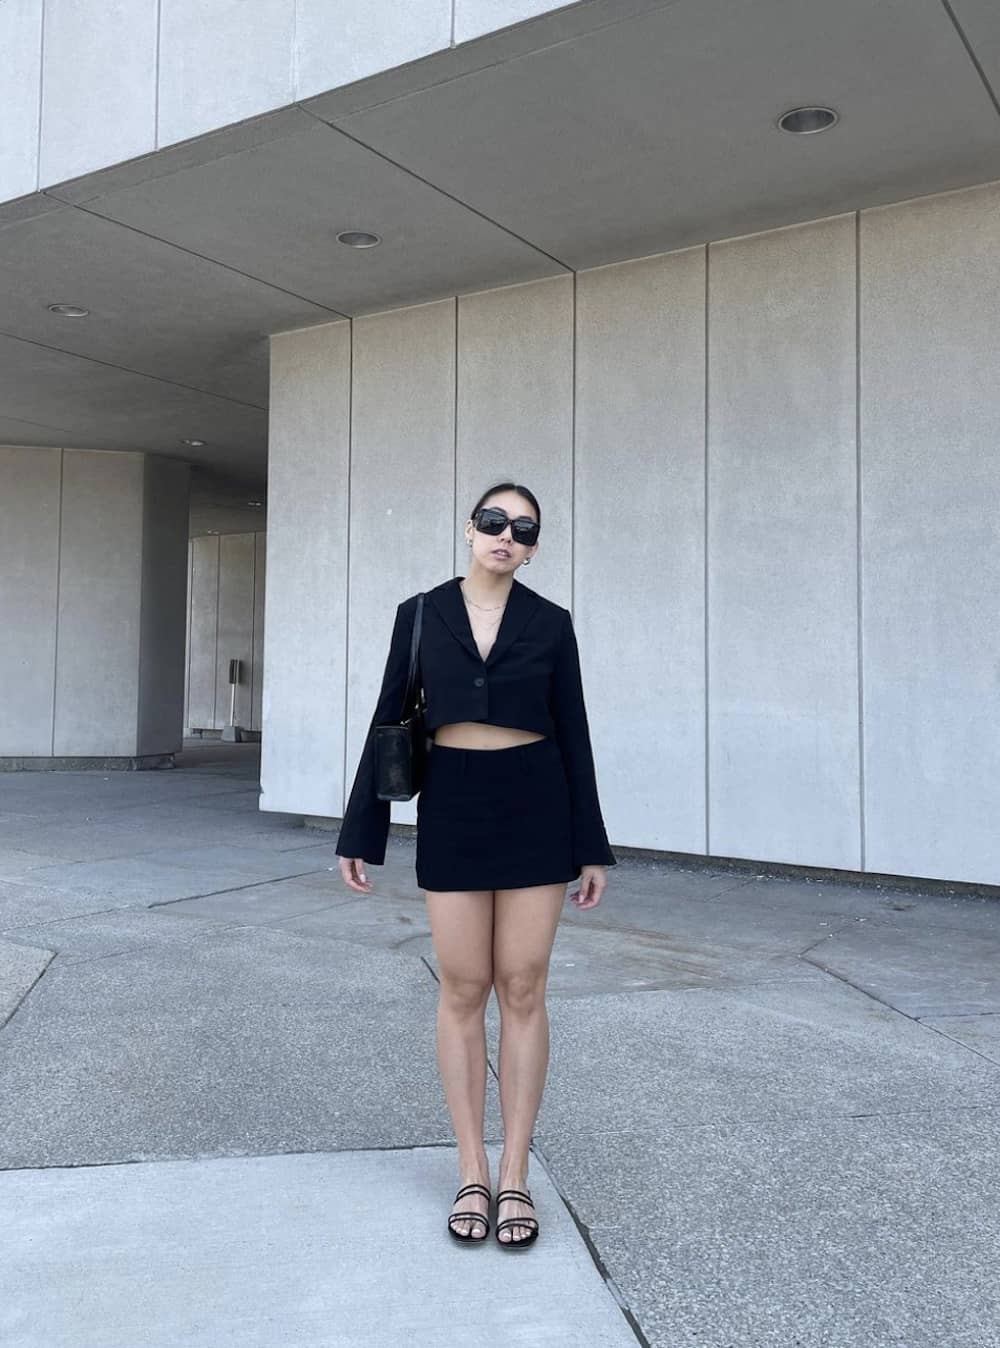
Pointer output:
483, 587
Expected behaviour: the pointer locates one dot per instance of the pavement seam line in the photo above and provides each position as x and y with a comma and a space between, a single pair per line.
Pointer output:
736, 1121
30, 988
198, 1157
232, 889
881, 1001
819, 1117
583, 1231
91, 912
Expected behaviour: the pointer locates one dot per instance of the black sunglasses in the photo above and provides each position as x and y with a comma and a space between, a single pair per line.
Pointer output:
493, 520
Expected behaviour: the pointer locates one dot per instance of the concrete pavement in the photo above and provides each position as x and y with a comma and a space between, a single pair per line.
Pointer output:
771, 1117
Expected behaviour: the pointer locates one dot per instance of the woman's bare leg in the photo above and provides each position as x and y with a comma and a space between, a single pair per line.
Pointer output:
462, 933
524, 928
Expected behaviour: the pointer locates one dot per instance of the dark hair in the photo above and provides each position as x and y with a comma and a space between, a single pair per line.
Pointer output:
508, 486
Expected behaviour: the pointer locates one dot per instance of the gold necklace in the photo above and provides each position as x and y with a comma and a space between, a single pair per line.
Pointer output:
485, 609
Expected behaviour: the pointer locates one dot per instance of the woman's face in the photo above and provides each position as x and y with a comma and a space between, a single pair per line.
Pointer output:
485, 546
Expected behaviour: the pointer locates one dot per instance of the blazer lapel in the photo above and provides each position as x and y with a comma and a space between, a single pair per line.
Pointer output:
450, 603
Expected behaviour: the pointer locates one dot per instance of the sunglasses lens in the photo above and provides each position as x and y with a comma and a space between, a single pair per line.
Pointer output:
492, 520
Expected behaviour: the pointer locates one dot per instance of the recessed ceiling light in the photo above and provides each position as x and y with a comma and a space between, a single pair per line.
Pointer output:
358, 238
192, 442
805, 121
68, 310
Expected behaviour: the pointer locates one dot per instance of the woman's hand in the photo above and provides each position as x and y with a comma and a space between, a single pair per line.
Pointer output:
593, 880
353, 871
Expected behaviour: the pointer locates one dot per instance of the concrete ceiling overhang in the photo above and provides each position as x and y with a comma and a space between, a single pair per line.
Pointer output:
601, 132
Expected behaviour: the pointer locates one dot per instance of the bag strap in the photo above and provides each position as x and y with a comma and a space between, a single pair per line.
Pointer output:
412, 679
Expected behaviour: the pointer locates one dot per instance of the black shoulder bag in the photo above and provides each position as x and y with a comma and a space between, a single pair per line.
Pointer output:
401, 746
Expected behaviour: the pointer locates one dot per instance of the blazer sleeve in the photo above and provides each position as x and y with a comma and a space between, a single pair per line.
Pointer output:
590, 840
364, 831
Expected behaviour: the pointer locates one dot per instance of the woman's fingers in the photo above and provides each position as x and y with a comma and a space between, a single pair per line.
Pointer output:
591, 888
353, 871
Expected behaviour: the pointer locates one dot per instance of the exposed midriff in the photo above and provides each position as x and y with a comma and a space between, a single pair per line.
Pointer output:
479, 735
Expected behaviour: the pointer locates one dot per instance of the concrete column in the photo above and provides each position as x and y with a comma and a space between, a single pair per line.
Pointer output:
93, 549
305, 610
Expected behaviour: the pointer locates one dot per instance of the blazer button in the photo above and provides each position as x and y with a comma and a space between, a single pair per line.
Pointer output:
479, 682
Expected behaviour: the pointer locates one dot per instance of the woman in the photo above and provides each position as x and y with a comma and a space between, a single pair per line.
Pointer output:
507, 815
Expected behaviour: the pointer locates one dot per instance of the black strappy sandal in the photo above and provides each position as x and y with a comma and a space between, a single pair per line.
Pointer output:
532, 1222
469, 1238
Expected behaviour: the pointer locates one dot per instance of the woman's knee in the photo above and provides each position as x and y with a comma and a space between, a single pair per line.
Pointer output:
521, 991
465, 994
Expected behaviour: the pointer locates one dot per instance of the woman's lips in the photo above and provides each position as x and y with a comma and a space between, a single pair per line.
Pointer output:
500, 552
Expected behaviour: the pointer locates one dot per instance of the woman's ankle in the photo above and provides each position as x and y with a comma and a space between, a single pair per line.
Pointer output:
513, 1174
474, 1168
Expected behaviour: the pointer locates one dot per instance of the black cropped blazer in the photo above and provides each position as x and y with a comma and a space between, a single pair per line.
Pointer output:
530, 679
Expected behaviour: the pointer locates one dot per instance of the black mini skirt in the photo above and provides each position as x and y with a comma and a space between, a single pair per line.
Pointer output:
494, 818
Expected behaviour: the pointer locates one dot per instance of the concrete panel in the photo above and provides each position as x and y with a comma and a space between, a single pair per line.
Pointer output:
128, 272
782, 545
270, 212
109, 48
187, 638
235, 637
259, 587
204, 630
980, 21
639, 543
659, 132
467, 57
473, 18
20, 79
930, 424
305, 608
109, 406
29, 565
402, 484
222, 61
338, 44
21, 966
100, 581
515, 416
164, 610
229, 1248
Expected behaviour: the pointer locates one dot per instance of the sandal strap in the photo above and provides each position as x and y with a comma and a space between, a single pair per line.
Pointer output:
468, 1216
531, 1222
473, 1188
514, 1195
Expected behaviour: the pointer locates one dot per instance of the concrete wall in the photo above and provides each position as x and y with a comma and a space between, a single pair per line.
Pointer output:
225, 622
164, 586
91, 603
769, 477
30, 496
170, 70
306, 604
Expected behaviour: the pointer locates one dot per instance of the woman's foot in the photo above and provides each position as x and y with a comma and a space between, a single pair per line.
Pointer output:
472, 1202
512, 1208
